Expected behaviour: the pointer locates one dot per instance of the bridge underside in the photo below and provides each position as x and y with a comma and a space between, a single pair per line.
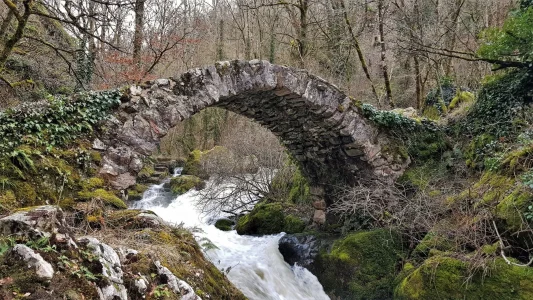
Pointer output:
313, 119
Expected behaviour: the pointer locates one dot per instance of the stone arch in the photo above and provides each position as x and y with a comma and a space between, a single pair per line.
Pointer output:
315, 121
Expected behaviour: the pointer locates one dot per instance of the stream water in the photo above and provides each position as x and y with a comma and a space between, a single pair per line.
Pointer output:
253, 264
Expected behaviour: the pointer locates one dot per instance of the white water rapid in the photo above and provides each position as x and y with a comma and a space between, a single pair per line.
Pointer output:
253, 264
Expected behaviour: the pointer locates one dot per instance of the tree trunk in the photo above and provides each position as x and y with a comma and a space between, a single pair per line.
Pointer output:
302, 33
220, 42
138, 34
418, 76
452, 37
384, 67
19, 32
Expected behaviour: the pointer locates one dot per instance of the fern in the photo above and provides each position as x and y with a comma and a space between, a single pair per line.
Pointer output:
6, 183
22, 160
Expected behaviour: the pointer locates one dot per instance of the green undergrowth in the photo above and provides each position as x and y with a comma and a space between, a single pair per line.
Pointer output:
501, 108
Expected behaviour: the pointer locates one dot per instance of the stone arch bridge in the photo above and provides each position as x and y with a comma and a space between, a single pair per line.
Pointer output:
313, 119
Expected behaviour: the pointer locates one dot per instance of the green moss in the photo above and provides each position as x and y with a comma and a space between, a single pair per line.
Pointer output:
133, 195
461, 97
265, 218
25, 194
193, 165
103, 195
92, 183
140, 188
490, 249
67, 203
299, 190
224, 224
420, 176
432, 241
182, 184
431, 112
441, 277
397, 152
136, 192
269, 218
361, 266
511, 209
293, 224
8, 201
514, 160
96, 157
146, 172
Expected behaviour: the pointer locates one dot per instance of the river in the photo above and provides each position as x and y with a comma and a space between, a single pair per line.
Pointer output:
253, 264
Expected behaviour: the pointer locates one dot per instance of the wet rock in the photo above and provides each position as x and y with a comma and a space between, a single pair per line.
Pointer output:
224, 224
35, 261
302, 249
111, 269
177, 285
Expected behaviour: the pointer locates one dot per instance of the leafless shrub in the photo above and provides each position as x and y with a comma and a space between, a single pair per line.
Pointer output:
389, 206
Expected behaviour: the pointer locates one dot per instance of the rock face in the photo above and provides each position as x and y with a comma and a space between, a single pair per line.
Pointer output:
43, 269
42, 259
38, 222
111, 269
177, 285
315, 121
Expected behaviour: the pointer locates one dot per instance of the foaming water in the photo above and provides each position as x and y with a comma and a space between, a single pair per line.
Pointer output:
253, 264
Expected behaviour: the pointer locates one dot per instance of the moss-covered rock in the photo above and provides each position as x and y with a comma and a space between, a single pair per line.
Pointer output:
269, 218
182, 184
432, 241
105, 196
136, 192
193, 165
293, 224
361, 266
224, 224
146, 172
442, 277
92, 183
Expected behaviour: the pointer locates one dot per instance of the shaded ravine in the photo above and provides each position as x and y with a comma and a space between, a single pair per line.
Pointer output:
253, 264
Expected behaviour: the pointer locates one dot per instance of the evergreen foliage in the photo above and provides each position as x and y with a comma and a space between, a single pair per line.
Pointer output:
55, 123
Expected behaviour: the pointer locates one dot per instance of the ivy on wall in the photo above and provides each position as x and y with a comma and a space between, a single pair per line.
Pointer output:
55, 122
